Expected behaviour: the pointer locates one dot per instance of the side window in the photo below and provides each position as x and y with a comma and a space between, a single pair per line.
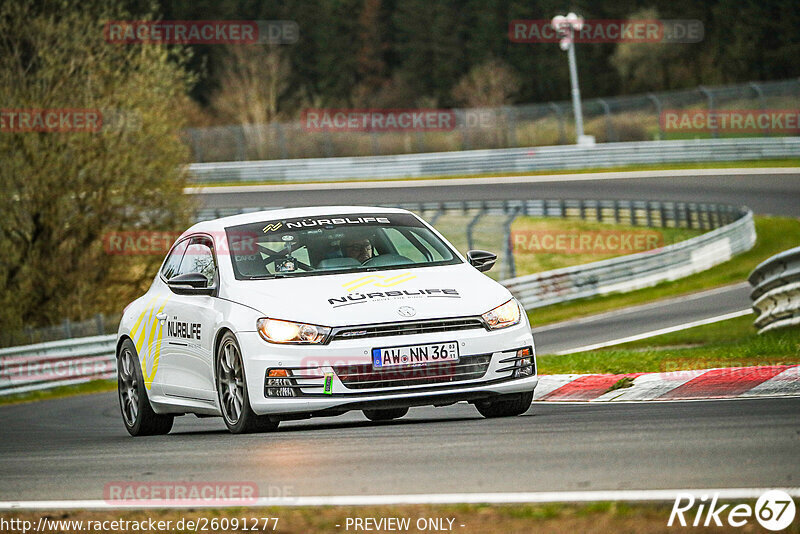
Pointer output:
173, 261
199, 258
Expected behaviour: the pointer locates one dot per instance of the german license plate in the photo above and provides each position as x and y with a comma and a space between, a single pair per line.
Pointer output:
415, 355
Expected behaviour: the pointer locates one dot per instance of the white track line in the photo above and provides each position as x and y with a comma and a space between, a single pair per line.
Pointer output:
492, 180
639, 307
430, 498
658, 332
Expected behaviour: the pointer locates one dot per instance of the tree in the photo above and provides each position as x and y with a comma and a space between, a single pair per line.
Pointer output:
253, 78
63, 191
490, 84
650, 66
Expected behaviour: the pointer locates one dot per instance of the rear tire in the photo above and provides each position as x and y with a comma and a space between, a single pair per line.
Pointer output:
385, 415
506, 405
234, 402
137, 414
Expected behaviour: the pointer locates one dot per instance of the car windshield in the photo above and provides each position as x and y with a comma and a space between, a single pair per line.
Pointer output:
334, 244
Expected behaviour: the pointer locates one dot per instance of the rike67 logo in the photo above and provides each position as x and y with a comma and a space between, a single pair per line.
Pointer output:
774, 510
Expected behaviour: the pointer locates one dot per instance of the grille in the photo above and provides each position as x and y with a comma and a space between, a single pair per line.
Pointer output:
407, 328
365, 377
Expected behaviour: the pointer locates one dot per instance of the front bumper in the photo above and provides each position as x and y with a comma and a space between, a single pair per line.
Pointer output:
312, 365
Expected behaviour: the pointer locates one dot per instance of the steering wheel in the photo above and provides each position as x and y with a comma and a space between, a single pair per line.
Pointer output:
386, 260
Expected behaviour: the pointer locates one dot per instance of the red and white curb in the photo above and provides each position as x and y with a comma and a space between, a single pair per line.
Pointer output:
725, 383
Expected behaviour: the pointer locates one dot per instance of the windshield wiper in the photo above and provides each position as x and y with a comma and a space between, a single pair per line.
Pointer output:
267, 276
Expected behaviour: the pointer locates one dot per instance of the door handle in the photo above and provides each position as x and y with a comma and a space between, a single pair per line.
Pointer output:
161, 316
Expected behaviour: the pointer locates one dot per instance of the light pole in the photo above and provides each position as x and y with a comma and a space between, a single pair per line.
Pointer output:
566, 28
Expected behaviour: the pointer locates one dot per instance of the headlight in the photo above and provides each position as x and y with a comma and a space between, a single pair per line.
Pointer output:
277, 331
503, 316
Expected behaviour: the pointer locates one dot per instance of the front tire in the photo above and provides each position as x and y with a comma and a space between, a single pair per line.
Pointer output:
232, 391
137, 414
385, 415
506, 405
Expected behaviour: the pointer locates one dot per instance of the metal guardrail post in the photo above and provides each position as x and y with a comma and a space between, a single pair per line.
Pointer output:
438, 214
241, 142
761, 104
562, 127
327, 143
471, 226
511, 268
710, 96
610, 137
657, 103
281, 140
510, 114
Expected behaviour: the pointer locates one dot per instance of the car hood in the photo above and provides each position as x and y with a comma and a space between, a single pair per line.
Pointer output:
373, 297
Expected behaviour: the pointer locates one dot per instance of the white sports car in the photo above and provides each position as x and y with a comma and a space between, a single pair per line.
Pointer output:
311, 312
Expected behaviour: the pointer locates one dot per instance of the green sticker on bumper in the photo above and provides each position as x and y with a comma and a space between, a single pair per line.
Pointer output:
328, 389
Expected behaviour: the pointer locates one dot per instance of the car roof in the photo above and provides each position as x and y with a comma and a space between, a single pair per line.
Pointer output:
219, 225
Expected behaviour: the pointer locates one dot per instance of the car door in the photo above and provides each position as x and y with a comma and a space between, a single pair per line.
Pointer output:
190, 319
148, 331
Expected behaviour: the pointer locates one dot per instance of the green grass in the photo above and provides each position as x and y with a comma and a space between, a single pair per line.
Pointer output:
731, 343
95, 386
553, 518
622, 383
745, 164
775, 234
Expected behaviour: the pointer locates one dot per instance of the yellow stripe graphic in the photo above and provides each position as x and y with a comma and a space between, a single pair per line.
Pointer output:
361, 282
148, 378
399, 279
378, 281
139, 320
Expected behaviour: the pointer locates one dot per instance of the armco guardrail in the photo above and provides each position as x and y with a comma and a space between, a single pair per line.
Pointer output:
509, 160
56, 363
776, 291
46, 365
636, 271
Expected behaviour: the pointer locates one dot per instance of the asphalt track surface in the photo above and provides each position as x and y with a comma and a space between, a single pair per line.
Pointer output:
71, 448
774, 194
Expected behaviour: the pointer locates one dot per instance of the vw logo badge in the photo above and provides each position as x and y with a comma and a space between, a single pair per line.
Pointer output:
406, 311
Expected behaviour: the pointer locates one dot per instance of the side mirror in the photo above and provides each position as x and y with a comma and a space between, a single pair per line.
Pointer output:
190, 284
481, 260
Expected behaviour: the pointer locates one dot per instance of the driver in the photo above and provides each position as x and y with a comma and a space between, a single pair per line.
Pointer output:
358, 248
